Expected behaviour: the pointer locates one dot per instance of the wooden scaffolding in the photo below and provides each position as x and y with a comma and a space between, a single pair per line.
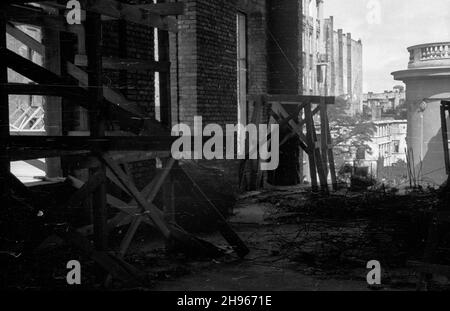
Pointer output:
303, 116
105, 154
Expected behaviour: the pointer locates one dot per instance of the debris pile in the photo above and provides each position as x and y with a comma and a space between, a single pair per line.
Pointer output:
348, 229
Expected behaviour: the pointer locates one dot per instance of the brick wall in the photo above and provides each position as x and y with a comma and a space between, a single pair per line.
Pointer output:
137, 86
285, 46
129, 40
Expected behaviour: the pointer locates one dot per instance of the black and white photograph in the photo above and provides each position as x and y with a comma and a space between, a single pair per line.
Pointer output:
224, 151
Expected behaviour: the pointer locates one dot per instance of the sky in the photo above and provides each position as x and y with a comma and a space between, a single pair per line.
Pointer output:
387, 28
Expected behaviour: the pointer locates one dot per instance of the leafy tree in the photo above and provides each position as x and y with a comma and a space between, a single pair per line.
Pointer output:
350, 133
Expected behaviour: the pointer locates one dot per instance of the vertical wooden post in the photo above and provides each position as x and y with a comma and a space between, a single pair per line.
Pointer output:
444, 107
52, 105
4, 109
318, 158
311, 146
164, 77
331, 156
96, 120
169, 195
324, 137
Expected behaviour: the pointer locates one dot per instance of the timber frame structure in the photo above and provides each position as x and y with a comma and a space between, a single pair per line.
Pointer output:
103, 153
294, 112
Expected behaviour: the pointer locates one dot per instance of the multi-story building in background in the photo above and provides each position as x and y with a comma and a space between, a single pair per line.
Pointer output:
344, 73
387, 147
314, 52
332, 60
386, 104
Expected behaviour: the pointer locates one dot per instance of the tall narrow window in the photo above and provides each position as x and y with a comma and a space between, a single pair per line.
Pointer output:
241, 33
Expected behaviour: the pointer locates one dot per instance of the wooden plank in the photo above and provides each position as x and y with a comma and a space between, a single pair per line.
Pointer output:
53, 105
125, 244
133, 14
57, 144
29, 41
130, 118
318, 158
298, 99
37, 147
164, 9
97, 123
324, 138
110, 95
45, 90
153, 212
83, 161
169, 197
110, 175
151, 191
32, 15
126, 64
4, 110
331, 158
21, 154
87, 189
31, 70
277, 107
445, 141
311, 147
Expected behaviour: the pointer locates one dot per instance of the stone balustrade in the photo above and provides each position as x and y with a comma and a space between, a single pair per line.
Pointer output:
430, 55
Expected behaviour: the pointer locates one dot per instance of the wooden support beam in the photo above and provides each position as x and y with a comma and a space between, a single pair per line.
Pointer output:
120, 109
318, 158
164, 78
33, 71
331, 157
182, 240
97, 123
445, 107
278, 108
297, 99
32, 15
126, 64
125, 244
45, 90
153, 212
132, 14
83, 161
324, 138
163, 9
53, 105
311, 147
87, 189
4, 109
119, 105
35, 147
29, 41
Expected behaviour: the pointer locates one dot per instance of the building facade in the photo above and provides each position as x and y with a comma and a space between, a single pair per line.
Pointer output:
375, 105
387, 147
427, 82
345, 70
